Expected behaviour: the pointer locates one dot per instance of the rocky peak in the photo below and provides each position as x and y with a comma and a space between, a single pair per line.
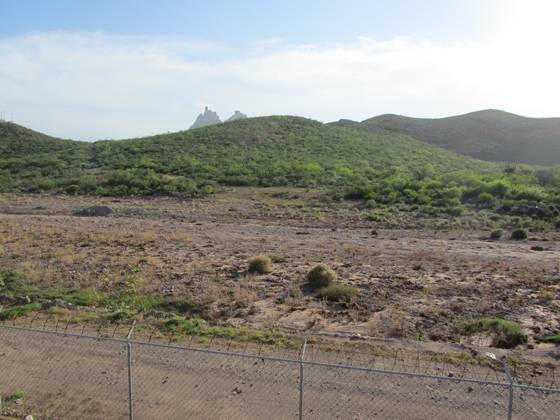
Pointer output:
237, 115
208, 117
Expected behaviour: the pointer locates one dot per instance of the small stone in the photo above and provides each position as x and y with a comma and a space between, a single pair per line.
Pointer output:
102, 211
19, 401
28, 417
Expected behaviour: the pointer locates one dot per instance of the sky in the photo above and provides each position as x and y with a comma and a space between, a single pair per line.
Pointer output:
102, 69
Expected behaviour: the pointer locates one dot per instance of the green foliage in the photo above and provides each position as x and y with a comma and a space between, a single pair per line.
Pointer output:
199, 327
506, 334
18, 311
320, 276
84, 297
11, 282
381, 168
519, 234
555, 339
337, 292
261, 264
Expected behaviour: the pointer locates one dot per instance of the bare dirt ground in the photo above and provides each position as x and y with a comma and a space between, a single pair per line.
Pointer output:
412, 283
84, 378
415, 282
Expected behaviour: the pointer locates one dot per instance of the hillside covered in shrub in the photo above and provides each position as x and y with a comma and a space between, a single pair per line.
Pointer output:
383, 168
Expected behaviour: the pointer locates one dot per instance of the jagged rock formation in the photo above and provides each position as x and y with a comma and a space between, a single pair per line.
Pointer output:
208, 117
237, 115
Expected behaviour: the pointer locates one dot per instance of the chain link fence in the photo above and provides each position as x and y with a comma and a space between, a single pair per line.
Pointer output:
73, 375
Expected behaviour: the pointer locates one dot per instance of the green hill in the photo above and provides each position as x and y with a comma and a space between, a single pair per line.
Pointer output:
382, 167
489, 135
18, 141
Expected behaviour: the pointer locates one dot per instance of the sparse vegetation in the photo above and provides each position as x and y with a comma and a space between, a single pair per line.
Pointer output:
18, 311
338, 293
505, 334
555, 339
320, 276
261, 264
519, 234
496, 234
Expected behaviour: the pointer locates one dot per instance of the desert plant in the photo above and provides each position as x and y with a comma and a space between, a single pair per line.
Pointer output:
320, 276
537, 248
496, 234
338, 293
519, 234
506, 334
261, 264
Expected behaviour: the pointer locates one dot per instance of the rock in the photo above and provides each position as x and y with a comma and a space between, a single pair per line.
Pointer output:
95, 211
28, 417
208, 117
14, 300
237, 116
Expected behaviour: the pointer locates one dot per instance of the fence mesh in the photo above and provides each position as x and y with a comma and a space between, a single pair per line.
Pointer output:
56, 375
52, 376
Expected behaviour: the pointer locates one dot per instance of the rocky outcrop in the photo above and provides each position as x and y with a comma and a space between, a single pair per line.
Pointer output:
208, 117
237, 115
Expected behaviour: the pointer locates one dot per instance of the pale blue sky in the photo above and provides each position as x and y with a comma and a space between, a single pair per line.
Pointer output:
110, 69
241, 22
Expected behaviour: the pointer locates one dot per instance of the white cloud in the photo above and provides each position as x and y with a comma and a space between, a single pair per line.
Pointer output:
90, 85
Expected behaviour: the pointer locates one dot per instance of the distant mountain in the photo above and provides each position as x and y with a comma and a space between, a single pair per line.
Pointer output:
489, 135
208, 117
237, 115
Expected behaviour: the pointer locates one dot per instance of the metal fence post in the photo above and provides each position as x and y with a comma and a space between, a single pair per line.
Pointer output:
129, 360
130, 401
510, 394
301, 356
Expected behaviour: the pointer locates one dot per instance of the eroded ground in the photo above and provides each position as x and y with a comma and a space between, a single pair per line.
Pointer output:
413, 282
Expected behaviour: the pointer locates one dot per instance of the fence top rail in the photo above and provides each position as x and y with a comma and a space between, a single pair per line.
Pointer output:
280, 359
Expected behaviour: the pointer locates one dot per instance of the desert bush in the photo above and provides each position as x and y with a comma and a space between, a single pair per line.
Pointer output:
338, 293
261, 264
519, 234
557, 224
496, 234
506, 334
486, 199
19, 311
537, 248
320, 276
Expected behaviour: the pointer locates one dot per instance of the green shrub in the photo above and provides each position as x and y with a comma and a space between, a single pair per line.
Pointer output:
338, 293
496, 234
555, 339
557, 224
486, 199
320, 276
261, 264
19, 311
11, 281
85, 297
519, 234
537, 248
506, 334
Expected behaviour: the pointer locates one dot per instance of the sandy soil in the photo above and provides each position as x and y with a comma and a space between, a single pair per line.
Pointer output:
412, 283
